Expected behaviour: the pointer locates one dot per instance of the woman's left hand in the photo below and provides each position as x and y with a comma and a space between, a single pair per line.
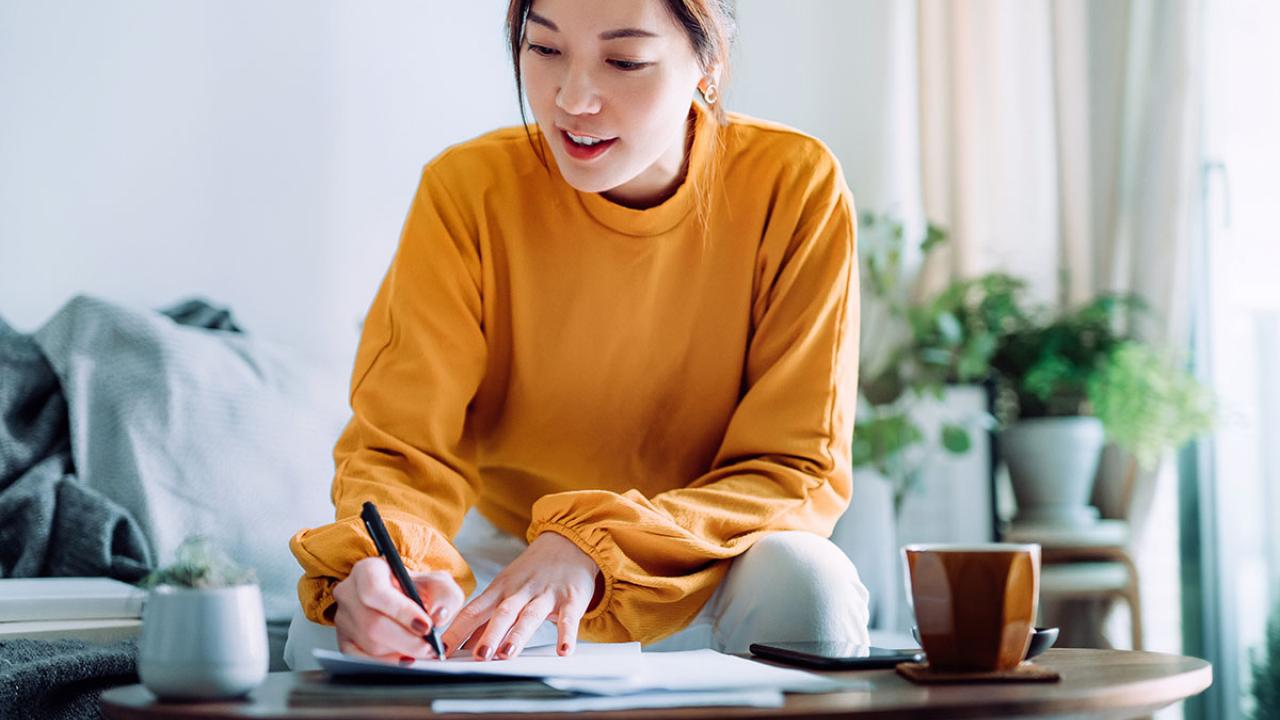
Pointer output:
551, 580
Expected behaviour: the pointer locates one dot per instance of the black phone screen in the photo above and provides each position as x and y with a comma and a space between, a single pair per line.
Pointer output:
834, 655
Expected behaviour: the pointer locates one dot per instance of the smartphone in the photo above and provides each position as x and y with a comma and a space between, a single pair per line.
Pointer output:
835, 655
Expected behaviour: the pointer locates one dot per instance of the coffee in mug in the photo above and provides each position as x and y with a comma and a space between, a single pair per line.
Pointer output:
975, 605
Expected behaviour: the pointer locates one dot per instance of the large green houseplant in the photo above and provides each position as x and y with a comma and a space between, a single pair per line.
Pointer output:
947, 339
1070, 382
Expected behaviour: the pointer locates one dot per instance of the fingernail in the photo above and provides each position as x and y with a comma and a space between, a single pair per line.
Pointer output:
507, 650
420, 625
406, 660
564, 648
483, 652
440, 614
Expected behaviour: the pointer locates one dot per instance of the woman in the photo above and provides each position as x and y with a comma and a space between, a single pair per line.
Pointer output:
627, 337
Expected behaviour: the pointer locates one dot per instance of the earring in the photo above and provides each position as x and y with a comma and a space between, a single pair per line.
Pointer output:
711, 93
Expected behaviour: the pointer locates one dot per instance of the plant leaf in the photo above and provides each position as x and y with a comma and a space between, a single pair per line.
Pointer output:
955, 438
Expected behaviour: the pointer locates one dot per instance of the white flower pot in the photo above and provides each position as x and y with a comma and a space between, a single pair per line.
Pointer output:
1052, 463
203, 643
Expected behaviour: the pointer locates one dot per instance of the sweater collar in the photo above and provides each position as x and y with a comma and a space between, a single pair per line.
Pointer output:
672, 211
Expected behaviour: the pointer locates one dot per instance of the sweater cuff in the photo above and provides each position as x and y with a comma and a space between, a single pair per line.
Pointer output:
328, 553
316, 596
597, 554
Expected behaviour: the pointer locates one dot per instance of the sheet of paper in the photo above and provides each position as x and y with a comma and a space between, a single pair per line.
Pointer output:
610, 670
704, 670
766, 698
589, 660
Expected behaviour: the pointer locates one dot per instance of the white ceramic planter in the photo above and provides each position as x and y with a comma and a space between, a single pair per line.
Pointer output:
203, 644
1052, 463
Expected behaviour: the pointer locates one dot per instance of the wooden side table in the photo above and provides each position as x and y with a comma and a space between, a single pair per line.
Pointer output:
1095, 683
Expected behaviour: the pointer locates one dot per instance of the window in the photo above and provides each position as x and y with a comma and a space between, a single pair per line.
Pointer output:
1242, 342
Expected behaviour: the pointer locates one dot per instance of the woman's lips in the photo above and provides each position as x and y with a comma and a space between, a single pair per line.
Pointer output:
585, 152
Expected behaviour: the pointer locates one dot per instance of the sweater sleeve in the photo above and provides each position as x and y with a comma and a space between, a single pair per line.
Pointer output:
420, 361
784, 462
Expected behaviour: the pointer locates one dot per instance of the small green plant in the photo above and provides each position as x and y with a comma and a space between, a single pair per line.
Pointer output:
1266, 674
1078, 363
1046, 360
199, 564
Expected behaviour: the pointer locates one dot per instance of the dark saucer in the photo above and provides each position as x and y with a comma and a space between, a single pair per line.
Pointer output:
1042, 639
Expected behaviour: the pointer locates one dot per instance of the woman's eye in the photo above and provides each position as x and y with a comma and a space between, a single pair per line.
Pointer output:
542, 50
629, 64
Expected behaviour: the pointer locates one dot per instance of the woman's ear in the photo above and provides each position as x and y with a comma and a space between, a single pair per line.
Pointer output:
709, 85
710, 77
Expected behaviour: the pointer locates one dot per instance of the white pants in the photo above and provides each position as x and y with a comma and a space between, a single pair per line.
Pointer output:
790, 586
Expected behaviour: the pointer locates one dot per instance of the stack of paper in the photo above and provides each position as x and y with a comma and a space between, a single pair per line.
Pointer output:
603, 677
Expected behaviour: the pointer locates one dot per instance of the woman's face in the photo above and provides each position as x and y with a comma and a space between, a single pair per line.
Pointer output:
620, 72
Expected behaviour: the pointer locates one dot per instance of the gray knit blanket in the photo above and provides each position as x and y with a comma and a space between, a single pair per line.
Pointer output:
51, 524
61, 679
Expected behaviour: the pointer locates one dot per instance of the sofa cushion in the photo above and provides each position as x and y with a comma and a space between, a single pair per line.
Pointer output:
198, 431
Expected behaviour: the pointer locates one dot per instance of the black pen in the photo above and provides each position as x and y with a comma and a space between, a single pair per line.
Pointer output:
387, 549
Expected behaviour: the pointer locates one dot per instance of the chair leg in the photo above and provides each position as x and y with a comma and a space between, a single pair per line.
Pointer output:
1134, 599
1135, 612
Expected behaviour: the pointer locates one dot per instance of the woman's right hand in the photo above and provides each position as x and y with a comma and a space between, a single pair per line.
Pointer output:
376, 619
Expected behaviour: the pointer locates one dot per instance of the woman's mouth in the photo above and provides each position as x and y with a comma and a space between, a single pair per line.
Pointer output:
585, 147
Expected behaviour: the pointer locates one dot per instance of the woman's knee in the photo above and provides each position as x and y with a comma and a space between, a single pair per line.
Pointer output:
792, 586
305, 636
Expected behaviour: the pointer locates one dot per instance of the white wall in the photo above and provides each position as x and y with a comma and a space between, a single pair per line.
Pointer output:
264, 154
844, 71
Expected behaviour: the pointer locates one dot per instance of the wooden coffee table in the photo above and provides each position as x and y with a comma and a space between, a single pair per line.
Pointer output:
1097, 683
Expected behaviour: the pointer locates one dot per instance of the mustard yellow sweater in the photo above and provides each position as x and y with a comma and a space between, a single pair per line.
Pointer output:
662, 386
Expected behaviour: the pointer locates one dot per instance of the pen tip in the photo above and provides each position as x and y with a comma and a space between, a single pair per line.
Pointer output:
436, 645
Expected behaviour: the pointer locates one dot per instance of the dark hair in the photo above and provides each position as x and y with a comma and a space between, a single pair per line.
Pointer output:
710, 25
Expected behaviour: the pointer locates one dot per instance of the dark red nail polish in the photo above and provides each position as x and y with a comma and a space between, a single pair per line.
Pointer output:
420, 625
406, 660
564, 648
507, 650
483, 652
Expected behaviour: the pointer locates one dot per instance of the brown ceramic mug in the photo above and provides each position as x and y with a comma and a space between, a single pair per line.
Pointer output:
975, 605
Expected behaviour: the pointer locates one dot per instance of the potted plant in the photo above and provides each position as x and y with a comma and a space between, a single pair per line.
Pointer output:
1069, 383
203, 631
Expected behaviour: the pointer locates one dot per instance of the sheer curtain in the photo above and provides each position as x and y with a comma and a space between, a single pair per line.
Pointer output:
1060, 141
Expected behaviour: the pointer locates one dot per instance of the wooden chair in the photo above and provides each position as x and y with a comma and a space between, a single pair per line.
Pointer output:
1096, 562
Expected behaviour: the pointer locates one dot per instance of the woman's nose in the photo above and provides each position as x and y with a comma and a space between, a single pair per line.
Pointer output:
577, 94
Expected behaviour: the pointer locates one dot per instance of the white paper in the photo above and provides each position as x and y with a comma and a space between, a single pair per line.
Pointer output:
589, 660
704, 670
611, 670
762, 698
